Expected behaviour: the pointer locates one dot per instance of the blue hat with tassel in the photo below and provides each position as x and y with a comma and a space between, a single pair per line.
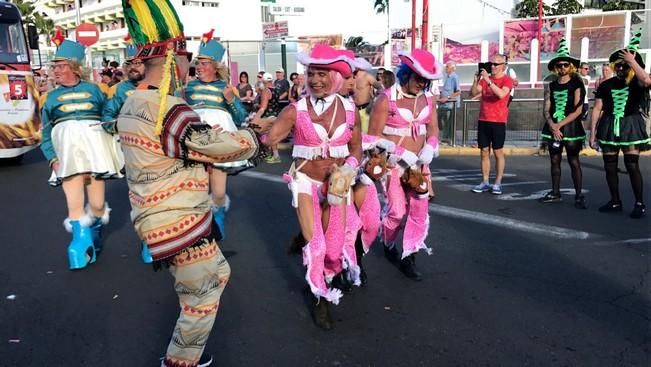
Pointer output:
210, 49
71, 51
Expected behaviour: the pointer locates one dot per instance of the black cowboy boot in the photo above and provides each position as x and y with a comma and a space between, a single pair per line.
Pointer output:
391, 253
322, 314
359, 252
341, 282
296, 244
408, 267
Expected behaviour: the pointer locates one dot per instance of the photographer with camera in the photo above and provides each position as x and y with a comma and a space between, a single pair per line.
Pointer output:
493, 89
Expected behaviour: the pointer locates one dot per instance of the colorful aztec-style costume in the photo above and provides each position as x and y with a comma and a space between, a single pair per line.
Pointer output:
166, 147
563, 104
622, 126
408, 183
73, 137
207, 100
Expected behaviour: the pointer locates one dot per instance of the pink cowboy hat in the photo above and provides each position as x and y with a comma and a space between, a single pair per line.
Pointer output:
422, 62
327, 57
357, 63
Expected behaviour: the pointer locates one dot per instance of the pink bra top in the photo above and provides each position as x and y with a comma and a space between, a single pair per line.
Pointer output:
311, 140
401, 122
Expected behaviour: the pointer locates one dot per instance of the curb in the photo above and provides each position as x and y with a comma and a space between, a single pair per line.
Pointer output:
509, 151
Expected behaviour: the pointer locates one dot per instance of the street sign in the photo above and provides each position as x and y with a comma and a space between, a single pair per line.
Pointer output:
87, 34
275, 30
285, 9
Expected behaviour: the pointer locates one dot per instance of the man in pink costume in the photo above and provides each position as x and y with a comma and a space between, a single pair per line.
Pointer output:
327, 150
404, 121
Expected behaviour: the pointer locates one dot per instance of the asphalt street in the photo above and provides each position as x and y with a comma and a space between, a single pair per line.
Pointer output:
511, 282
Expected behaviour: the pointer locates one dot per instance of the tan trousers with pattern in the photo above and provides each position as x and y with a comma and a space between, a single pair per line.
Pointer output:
201, 273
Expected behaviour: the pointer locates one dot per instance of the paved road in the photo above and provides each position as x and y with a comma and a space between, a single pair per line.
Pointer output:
511, 282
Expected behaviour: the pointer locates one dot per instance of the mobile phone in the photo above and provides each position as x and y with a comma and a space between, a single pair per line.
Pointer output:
484, 65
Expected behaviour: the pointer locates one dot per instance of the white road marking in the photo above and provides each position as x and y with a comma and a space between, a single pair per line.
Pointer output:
534, 228
632, 241
263, 176
537, 195
464, 177
465, 187
495, 220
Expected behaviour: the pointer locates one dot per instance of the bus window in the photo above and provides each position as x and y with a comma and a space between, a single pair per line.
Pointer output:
13, 47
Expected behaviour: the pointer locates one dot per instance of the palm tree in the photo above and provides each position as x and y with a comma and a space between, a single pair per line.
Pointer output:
381, 6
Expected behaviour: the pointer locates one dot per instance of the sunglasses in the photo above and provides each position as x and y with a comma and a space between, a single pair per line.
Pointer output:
562, 65
497, 63
622, 65
585, 68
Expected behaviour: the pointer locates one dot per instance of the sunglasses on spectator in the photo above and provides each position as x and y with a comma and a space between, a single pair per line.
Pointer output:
621, 64
562, 65
497, 63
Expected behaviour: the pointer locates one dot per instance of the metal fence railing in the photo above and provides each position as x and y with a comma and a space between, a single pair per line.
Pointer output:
522, 129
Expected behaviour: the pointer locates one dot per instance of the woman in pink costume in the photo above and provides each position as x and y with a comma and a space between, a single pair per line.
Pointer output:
327, 150
405, 115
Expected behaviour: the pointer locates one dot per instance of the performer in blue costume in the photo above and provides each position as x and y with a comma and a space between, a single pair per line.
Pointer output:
135, 73
81, 154
214, 100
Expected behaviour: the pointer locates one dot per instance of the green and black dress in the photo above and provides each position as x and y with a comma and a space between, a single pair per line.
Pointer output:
563, 103
623, 124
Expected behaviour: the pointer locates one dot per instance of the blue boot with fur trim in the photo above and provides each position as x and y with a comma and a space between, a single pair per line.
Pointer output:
219, 216
96, 226
81, 250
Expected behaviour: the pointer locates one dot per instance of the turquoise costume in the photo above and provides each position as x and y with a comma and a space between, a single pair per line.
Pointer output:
207, 100
112, 106
210, 95
74, 139
83, 101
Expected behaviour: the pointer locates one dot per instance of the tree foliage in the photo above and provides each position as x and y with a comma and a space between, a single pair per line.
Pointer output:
44, 25
563, 7
613, 5
529, 9
381, 6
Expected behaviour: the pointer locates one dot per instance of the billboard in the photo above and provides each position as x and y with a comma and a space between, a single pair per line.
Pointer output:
518, 35
606, 33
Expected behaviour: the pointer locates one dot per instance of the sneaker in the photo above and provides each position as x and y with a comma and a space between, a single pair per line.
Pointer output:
482, 187
611, 206
639, 210
496, 189
580, 203
272, 160
550, 197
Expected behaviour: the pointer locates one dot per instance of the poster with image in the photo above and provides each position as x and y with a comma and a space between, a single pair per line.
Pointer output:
605, 32
518, 35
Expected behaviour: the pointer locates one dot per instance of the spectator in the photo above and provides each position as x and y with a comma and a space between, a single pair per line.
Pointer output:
606, 73
292, 78
269, 108
298, 88
118, 76
105, 78
584, 73
388, 79
245, 91
449, 101
114, 65
282, 85
493, 89
378, 75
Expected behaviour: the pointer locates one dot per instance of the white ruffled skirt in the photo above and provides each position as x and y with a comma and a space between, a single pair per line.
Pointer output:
83, 147
223, 119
